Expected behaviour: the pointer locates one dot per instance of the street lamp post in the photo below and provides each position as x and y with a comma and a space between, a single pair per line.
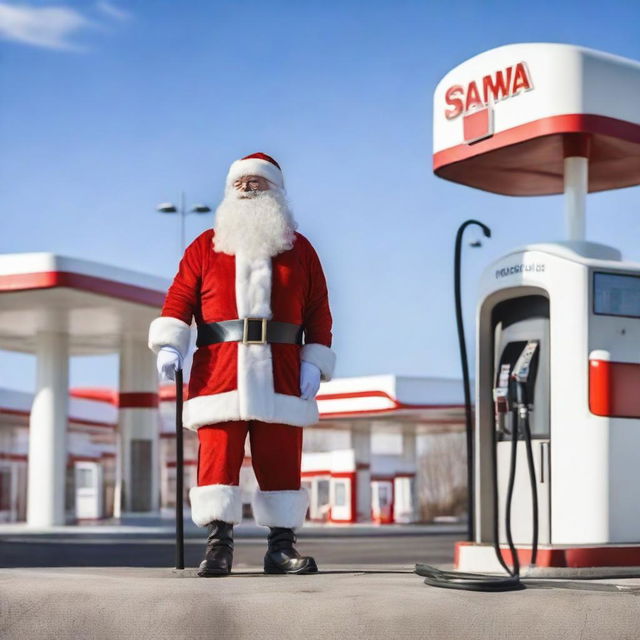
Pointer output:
181, 210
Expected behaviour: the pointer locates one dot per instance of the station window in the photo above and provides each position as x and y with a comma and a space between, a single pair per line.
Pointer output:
85, 479
5, 489
340, 494
323, 492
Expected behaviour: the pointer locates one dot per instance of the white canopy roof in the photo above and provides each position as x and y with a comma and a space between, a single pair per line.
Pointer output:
94, 303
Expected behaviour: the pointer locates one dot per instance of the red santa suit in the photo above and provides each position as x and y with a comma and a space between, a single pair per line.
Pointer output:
232, 381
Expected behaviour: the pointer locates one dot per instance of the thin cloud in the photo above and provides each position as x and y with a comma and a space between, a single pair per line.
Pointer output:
112, 11
48, 27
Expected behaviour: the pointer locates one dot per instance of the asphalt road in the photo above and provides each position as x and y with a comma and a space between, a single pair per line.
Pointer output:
97, 551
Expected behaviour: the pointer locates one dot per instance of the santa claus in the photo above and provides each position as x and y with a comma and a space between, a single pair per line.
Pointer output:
257, 291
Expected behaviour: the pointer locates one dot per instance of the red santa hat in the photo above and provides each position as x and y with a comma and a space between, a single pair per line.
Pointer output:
257, 164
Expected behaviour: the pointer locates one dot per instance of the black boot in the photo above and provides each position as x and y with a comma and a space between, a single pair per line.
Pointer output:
282, 557
219, 555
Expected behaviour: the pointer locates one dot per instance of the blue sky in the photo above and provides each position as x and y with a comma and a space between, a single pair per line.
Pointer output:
109, 108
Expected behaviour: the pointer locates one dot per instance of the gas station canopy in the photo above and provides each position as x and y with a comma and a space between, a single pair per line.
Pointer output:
55, 307
93, 303
424, 405
501, 119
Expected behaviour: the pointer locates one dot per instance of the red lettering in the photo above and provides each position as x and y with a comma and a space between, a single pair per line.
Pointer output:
452, 99
498, 89
521, 79
502, 84
473, 96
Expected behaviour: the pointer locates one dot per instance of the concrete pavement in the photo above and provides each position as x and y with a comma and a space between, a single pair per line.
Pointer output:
361, 602
52, 587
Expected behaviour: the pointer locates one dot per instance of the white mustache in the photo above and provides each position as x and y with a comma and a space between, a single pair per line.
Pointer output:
242, 195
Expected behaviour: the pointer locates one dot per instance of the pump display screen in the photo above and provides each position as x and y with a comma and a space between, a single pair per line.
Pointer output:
616, 295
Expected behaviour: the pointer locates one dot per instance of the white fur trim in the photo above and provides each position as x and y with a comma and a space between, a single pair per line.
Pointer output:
322, 356
280, 508
255, 363
215, 502
254, 167
253, 287
220, 407
167, 330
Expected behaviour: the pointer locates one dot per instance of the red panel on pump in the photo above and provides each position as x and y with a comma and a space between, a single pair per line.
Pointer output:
613, 389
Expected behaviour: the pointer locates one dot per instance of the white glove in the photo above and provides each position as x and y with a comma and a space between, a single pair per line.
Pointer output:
309, 379
169, 359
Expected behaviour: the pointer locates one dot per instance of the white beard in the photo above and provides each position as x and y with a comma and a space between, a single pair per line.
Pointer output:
258, 226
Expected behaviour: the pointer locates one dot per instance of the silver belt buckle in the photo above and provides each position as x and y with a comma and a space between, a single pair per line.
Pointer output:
245, 331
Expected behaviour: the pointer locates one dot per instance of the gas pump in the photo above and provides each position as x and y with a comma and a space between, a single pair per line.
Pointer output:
557, 421
581, 303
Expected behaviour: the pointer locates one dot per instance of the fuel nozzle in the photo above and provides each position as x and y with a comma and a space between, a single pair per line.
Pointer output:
520, 375
501, 398
501, 392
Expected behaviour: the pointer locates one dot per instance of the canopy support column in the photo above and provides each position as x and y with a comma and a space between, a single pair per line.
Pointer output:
48, 431
576, 185
361, 443
138, 480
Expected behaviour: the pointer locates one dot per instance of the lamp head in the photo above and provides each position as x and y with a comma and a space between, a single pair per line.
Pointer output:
166, 207
200, 208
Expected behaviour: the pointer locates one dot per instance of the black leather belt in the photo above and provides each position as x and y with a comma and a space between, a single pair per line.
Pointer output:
249, 331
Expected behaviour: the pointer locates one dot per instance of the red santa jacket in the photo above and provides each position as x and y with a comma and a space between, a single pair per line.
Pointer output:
236, 381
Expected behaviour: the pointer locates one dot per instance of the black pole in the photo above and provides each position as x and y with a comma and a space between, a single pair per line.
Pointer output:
465, 373
179, 475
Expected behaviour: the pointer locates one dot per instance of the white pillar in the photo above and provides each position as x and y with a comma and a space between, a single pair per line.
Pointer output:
576, 175
138, 482
361, 444
405, 507
48, 431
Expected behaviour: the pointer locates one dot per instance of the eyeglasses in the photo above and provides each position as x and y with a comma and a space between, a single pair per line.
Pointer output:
255, 183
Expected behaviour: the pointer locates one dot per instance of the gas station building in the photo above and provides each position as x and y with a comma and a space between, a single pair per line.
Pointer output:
70, 455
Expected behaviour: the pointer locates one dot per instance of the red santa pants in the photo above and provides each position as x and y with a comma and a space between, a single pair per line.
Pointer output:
276, 454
